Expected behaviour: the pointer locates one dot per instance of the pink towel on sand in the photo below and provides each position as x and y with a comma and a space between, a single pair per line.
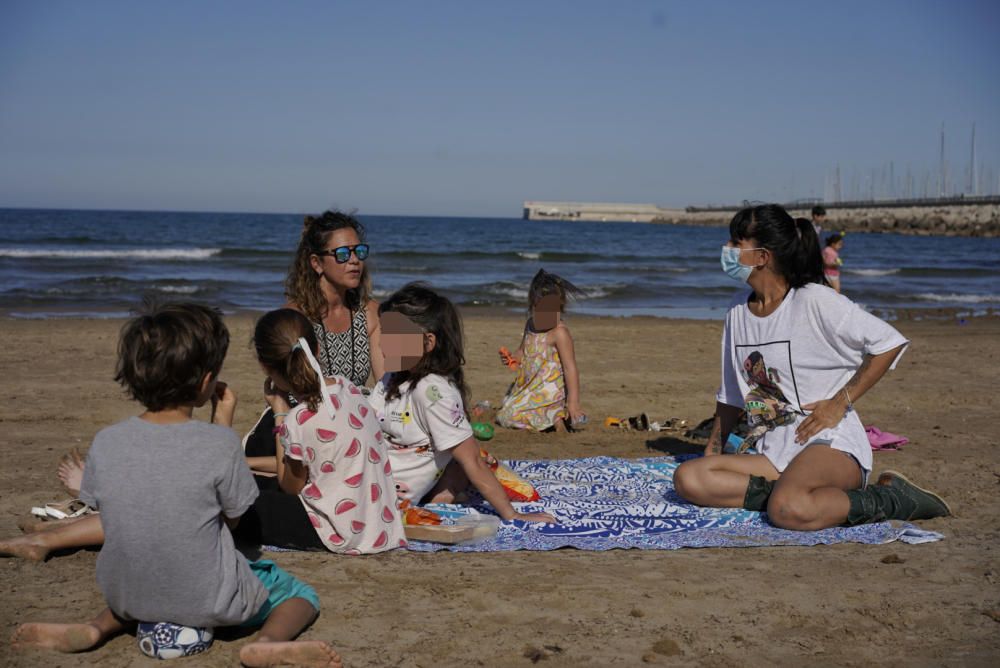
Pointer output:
884, 440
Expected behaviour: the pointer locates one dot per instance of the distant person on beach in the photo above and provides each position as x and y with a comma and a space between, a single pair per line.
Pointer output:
330, 283
545, 396
818, 219
420, 403
796, 357
832, 261
169, 489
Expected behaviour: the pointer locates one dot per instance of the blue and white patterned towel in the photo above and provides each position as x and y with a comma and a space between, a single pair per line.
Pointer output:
603, 503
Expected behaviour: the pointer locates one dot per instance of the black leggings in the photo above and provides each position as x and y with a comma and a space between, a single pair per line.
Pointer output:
260, 441
277, 518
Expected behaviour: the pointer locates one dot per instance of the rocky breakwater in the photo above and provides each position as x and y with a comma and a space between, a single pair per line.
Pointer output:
971, 220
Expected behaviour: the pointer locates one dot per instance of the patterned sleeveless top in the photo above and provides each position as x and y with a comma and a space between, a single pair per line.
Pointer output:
346, 353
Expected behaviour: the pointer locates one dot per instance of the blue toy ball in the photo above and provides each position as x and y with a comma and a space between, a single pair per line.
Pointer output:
166, 640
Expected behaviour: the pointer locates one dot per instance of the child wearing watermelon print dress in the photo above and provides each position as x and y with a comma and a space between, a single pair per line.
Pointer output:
545, 395
331, 454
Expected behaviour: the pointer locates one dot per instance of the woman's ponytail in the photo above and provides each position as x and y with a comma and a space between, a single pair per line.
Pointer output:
810, 254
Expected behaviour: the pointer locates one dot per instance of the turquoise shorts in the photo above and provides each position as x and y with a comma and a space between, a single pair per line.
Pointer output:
281, 586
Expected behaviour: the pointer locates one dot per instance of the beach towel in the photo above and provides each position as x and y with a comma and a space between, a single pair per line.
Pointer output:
884, 440
603, 503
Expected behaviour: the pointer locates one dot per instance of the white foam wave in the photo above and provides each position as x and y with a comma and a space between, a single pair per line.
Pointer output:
110, 253
964, 299
178, 289
871, 272
529, 256
516, 293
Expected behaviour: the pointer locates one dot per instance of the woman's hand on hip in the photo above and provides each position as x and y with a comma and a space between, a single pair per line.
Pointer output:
825, 414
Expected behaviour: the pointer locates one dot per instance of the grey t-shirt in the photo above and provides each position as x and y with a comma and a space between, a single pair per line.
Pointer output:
167, 554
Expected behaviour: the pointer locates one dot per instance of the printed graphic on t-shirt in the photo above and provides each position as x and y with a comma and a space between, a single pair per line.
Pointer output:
773, 398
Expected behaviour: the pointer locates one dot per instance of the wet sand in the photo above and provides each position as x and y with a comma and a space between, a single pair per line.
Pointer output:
935, 604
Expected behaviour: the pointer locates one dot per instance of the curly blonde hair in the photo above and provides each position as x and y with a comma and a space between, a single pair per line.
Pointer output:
302, 284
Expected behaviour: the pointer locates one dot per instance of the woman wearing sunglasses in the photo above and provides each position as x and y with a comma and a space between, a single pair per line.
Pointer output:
330, 284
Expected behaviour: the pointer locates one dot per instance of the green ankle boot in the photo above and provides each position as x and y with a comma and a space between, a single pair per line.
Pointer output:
758, 492
894, 497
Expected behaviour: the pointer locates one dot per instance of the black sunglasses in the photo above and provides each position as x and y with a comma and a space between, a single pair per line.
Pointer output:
343, 253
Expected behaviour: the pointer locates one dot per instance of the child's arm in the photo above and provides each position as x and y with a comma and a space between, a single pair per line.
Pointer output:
563, 342
292, 473
467, 455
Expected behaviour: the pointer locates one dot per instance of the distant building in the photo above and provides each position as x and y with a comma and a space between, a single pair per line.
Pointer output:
601, 211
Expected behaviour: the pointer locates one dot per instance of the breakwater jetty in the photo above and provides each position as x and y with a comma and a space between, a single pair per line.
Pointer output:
952, 216
948, 216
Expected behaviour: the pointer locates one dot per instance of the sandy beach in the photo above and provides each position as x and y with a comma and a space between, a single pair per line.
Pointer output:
935, 604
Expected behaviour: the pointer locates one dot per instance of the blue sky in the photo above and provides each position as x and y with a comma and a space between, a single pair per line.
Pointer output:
457, 108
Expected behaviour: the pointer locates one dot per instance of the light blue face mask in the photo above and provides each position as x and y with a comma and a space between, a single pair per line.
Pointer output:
731, 264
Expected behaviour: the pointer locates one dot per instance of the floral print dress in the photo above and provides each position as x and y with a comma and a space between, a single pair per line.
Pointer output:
537, 397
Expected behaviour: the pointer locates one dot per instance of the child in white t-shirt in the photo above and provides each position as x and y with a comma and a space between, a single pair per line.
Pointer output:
420, 404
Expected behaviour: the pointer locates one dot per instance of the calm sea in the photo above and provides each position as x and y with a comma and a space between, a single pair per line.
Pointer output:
59, 263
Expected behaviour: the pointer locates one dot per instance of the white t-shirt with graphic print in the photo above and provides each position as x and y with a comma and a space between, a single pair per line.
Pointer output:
804, 352
421, 425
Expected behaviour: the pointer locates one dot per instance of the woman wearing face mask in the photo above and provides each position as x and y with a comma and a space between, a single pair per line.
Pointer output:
797, 356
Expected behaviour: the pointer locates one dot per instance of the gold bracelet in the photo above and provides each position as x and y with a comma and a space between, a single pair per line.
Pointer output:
850, 404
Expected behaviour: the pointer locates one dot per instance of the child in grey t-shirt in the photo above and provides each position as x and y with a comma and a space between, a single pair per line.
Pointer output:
165, 486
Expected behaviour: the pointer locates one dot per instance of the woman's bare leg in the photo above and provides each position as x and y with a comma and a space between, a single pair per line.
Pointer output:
720, 481
36, 524
37, 546
810, 494
68, 637
275, 645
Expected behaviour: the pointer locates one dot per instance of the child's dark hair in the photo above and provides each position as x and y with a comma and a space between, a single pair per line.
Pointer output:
165, 353
274, 339
544, 284
792, 241
818, 211
438, 316
833, 238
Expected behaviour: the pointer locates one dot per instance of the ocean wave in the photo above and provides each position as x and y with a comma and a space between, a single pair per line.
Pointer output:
177, 289
109, 254
953, 297
871, 272
529, 256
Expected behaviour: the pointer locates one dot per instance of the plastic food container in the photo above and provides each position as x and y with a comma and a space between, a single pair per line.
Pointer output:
483, 527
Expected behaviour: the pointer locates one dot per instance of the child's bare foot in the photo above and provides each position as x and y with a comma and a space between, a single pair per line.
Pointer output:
310, 653
25, 547
60, 637
70, 471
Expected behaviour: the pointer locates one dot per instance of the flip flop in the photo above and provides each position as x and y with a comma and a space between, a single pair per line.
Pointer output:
63, 510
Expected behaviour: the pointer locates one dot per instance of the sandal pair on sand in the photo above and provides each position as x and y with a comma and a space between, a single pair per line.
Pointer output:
63, 510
